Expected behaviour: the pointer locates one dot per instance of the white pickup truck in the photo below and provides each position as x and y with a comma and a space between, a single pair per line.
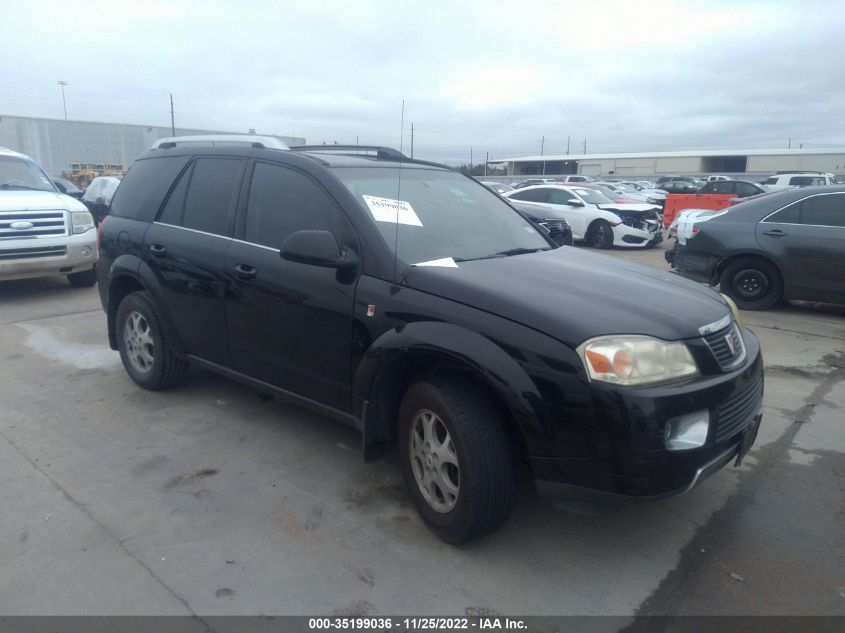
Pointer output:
42, 232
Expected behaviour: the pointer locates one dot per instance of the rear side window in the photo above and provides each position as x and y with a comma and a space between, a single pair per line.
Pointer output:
532, 195
144, 187
282, 201
824, 210
203, 197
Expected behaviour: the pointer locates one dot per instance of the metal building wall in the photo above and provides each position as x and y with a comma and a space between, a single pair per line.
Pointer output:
55, 143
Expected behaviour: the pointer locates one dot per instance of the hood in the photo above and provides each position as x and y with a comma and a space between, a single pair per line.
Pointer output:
24, 200
573, 295
635, 208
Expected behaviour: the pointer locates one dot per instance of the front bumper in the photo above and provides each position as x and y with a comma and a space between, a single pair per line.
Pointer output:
42, 257
629, 461
630, 237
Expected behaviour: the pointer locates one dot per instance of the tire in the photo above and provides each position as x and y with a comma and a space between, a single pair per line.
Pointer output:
84, 278
601, 234
479, 464
146, 356
753, 284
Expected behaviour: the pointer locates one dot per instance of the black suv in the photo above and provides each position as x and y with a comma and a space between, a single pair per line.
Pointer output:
416, 305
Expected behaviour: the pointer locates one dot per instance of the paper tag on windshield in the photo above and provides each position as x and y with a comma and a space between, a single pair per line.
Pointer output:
393, 211
446, 262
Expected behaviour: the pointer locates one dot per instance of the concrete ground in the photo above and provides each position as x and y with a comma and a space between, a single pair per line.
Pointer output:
213, 499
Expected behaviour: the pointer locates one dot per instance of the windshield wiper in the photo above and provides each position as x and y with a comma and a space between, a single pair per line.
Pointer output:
507, 253
26, 187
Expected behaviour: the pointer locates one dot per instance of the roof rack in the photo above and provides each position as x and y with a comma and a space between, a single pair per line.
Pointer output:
381, 153
214, 140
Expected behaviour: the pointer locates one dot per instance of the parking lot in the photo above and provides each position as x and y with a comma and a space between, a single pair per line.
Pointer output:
212, 498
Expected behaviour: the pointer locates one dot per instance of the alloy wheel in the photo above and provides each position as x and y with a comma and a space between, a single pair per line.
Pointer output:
434, 461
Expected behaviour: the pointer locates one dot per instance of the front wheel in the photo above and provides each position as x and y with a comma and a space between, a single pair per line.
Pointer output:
601, 234
455, 458
754, 284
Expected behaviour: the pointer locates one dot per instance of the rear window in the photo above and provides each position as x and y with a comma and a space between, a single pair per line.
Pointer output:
144, 187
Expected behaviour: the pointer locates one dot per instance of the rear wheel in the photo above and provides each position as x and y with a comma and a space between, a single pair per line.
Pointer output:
84, 278
456, 460
601, 234
754, 284
146, 356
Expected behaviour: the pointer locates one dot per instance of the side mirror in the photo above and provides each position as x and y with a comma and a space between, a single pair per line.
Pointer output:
575, 202
317, 248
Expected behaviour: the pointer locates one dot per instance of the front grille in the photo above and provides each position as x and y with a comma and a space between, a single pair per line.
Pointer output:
559, 231
738, 411
32, 253
43, 224
727, 346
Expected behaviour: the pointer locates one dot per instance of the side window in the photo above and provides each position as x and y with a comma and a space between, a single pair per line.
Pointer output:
788, 215
282, 201
801, 181
710, 187
172, 212
745, 190
209, 196
824, 210
771, 180
144, 187
558, 196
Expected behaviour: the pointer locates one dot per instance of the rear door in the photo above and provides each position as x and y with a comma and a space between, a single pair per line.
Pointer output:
186, 247
290, 324
808, 239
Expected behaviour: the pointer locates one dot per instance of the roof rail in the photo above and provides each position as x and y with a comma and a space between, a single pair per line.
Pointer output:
381, 153
214, 140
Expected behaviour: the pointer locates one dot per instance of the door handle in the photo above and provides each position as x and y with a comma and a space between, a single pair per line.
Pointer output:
158, 250
245, 271
775, 233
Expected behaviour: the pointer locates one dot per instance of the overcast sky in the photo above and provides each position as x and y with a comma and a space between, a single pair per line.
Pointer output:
497, 77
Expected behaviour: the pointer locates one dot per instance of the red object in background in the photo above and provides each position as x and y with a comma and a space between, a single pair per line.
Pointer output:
677, 202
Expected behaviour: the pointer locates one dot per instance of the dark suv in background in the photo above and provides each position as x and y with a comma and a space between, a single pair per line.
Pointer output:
407, 300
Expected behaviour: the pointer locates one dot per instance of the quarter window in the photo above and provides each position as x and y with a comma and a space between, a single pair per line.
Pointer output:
826, 210
282, 201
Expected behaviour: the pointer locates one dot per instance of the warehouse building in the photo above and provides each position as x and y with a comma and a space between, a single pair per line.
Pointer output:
749, 163
57, 144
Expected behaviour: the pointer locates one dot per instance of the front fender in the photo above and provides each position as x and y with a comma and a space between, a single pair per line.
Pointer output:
490, 362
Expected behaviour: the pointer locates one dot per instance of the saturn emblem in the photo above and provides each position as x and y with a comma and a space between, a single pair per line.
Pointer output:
21, 226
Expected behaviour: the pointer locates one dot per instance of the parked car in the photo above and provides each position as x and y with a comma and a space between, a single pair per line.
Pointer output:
624, 192
594, 217
571, 178
680, 186
530, 182
694, 180
443, 322
785, 245
42, 231
779, 182
498, 187
550, 220
652, 193
98, 195
737, 188
67, 187
716, 177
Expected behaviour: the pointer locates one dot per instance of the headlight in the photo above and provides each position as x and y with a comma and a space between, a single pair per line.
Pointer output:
735, 311
636, 360
81, 221
652, 201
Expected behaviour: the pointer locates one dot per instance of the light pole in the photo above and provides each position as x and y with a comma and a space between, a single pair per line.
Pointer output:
64, 105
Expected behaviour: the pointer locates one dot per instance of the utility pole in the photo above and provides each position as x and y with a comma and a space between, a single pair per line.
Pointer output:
470, 159
487, 160
585, 146
789, 145
64, 104
172, 118
412, 140
567, 145
542, 144
402, 126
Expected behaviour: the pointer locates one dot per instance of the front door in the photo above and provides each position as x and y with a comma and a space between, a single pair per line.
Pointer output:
290, 324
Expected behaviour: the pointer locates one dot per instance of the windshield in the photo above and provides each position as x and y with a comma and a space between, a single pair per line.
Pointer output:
592, 196
17, 173
441, 215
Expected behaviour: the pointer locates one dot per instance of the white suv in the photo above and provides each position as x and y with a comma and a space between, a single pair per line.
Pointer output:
779, 182
42, 232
